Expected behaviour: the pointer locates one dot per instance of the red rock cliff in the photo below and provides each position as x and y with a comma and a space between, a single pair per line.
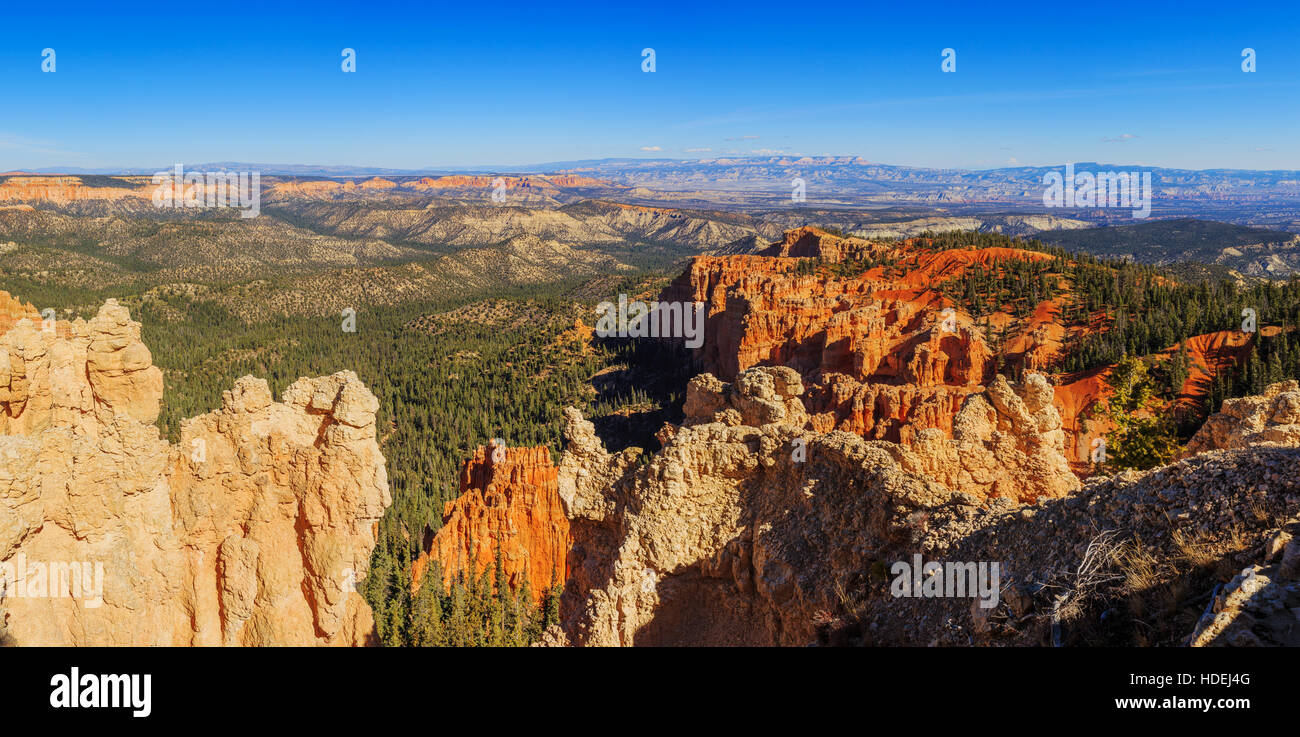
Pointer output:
882, 357
511, 502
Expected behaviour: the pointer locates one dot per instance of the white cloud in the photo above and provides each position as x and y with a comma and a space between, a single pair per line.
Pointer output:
652, 148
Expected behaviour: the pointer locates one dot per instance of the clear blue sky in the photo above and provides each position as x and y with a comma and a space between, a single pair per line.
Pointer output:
498, 83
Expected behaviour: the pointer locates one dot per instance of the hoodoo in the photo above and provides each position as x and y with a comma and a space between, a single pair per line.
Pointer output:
254, 530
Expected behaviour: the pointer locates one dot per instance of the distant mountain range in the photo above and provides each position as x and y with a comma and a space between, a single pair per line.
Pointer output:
1268, 198
768, 167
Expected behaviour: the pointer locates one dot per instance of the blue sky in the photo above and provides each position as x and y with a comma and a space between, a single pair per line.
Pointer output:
500, 83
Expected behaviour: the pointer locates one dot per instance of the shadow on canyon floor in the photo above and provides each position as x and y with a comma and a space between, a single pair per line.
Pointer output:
646, 389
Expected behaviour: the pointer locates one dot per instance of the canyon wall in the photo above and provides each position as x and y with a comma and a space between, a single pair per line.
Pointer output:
883, 351
254, 530
747, 525
848, 422
748, 528
885, 354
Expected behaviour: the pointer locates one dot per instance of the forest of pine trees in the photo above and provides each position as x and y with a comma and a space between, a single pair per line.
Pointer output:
473, 611
1011, 284
441, 396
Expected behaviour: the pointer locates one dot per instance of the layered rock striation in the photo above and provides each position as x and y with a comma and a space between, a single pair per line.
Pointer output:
65, 189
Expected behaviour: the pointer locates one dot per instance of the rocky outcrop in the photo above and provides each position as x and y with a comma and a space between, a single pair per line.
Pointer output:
883, 352
89, 376
846, 423
1067, 566
747, 528
1273, 417
12, 310
1006, 443
509, 502
746, 524
810, 242
254, 530
1261, 605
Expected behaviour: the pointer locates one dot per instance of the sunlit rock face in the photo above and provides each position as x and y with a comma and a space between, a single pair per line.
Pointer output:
509, 502
747, 523
254, 530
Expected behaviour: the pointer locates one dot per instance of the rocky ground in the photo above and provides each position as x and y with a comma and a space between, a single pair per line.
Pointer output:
1261, 605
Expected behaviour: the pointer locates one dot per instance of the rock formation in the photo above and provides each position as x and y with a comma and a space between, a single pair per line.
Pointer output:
509, 501
846, 423
748, 528
884, 353
1271, 418
254, 530
61, 190
12, 310
746, 524
1261, 605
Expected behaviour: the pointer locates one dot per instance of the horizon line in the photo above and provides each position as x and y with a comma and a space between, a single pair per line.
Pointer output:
344, 170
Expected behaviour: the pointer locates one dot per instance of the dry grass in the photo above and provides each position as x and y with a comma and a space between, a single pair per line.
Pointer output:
1164, 592
1141, 566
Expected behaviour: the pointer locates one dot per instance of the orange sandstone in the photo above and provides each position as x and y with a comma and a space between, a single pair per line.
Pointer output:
509, 501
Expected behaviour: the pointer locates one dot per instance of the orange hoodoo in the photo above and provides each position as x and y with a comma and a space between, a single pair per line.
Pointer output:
511, 503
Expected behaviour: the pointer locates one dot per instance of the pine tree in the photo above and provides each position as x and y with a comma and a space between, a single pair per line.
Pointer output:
552, 608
